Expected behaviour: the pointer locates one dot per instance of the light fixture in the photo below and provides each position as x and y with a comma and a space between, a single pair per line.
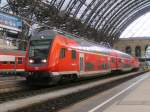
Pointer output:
31, 60
43, 60
42, 37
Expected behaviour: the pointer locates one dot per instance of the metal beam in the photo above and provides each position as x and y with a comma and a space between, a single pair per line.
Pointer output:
127, 15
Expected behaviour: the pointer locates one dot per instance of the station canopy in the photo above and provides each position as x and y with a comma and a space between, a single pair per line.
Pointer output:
111, 17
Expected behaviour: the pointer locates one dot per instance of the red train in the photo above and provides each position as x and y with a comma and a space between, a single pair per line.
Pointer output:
54, 54
12, 61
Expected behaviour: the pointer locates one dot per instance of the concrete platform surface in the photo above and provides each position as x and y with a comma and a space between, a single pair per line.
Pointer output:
130, 96
138, 100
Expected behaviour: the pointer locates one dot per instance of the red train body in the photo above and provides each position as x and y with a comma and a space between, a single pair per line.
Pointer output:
54, 54
12, 61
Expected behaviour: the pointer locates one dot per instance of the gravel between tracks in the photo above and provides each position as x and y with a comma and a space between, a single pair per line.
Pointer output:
9, 85
12, 90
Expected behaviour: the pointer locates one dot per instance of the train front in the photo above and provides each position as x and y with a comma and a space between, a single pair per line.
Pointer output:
37, 58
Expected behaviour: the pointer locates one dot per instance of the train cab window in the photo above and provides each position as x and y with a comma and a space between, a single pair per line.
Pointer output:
19, 60
73, 54
62, 53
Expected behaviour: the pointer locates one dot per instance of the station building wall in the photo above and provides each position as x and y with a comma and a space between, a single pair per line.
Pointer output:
135, 46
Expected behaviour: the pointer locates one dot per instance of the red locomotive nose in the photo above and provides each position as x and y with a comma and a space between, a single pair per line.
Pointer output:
38, 68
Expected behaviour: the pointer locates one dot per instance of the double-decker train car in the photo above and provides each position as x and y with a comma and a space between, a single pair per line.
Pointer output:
54, 54
12, 61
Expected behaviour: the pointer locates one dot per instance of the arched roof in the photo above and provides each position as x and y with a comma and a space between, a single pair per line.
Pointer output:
110, 17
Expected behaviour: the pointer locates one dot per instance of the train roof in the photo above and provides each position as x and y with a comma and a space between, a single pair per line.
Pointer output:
94, 47
122, 54
45, 34
86, 45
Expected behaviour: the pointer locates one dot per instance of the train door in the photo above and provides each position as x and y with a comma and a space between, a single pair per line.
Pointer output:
109, 63
19, 64
81, 62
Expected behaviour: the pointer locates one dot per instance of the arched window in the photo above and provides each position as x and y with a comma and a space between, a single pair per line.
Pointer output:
146, 48
138, 51
128, 50
147, 51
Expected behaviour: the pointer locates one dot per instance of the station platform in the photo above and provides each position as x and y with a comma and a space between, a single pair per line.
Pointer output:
137, 100
131, 96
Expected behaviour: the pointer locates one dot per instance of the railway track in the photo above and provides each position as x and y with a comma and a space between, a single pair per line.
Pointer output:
11, 84
56, 100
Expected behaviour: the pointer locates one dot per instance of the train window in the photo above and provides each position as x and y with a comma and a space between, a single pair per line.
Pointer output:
89, 66
113, 60
99, 58
119, 60
62, 53
4, 62
12, 62
19, 60
73, 54
104, 65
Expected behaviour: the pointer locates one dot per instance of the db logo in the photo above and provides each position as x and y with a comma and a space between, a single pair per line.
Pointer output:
36, 68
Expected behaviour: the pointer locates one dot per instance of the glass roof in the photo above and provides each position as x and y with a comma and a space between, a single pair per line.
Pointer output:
110, 17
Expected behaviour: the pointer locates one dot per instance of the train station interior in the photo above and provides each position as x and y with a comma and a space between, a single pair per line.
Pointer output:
74, 55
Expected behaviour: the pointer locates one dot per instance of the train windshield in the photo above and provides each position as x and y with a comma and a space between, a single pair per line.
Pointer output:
39, 48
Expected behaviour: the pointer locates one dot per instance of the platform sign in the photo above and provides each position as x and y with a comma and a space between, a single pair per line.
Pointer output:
10, 22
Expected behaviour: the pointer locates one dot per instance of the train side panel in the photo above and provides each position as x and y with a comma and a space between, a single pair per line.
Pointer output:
12, 62
66, 56
63, 59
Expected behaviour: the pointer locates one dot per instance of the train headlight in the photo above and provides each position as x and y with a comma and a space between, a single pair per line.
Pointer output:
31, 61
42, 37
43, 60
